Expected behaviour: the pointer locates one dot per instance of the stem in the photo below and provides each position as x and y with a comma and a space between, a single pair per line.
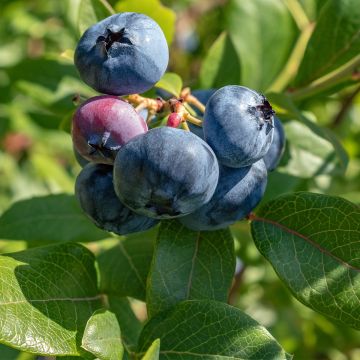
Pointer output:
185, 126
153, 105
191, 99
291, 67
149, 118
338, 119
192, 119
140, 107
345, 72
187, 97
298, 13
78, 99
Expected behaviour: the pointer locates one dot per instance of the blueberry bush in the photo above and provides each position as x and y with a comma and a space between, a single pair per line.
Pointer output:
179, 179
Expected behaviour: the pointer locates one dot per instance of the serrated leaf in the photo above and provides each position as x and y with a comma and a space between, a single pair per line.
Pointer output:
189, 265
164, 16
203, 329
153, 351
262, 48
312, 241
102, 336
171, 83
91, 12
221, 66
46, 219
124, 267
335, 41
47, 295
129, 324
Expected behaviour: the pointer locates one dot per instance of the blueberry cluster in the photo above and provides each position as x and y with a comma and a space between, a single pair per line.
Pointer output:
208, 177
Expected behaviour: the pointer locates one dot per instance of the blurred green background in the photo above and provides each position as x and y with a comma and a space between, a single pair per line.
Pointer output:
38, 81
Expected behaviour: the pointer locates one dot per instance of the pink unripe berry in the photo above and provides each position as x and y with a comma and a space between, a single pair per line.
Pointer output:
174, 120
102, 124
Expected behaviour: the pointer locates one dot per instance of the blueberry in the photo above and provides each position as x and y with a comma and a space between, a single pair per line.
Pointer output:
81, 161
276, 150
238, 192
238, 125
101, 125
95, 192
165, 173
123, 54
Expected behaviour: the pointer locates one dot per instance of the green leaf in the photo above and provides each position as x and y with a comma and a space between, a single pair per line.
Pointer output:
102, 336
48, 86
47, 296
199, 329
130, 326
170, 82
153, 351
335, 41
307, 160
46, 219
262, 47
164, 16
124, 267
92, 11
221, 66
280, 183
8, 353
68, 55
189, 265
66, 122
312, 241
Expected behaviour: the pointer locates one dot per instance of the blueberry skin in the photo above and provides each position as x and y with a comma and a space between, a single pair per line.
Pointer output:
95, 192
238, 192
238, 125
203, 95
276, 150
165, 173
80, 160
124, 54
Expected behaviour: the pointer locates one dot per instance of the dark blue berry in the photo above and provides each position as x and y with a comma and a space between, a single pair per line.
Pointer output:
165, 173
95, 192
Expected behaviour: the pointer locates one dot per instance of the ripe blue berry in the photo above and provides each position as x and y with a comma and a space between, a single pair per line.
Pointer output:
95, 192
123, 54
101, 125
165, 173
238, 192
238, 125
